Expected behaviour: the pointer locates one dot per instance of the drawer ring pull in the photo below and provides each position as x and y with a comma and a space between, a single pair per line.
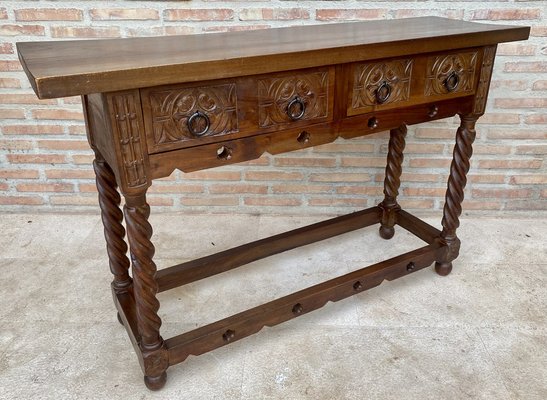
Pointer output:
198, 120
294, 104
452, 81
383, 92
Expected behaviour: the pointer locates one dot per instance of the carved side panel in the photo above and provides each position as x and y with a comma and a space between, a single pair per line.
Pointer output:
367, 78
172, 108
440, 67
275, 93
126, 114
484, 80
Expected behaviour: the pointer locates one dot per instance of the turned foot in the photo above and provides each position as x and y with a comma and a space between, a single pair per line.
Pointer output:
386, 232
155, 382
443, 269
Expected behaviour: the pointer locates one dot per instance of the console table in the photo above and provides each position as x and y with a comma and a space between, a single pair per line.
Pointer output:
153, 105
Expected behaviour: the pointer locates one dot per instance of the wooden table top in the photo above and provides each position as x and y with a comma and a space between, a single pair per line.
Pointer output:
74, 67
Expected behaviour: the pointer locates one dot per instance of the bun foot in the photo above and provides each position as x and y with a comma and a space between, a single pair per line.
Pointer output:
155, 382
119, 318
443, 269
387, 232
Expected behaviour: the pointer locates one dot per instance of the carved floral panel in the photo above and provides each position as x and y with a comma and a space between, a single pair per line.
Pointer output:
275, 94
172, 108
439, 68
369, 77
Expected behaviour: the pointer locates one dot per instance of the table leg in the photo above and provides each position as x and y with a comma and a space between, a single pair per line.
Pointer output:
139, 232
114, 232
465, 136
392, 181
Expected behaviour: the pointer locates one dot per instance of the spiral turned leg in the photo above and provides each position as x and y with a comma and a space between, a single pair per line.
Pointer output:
114, 232
392, 181
139, 232
465, 136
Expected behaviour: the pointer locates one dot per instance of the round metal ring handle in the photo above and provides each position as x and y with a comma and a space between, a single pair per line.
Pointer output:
452, 81
383, 92
293, 104
195, 120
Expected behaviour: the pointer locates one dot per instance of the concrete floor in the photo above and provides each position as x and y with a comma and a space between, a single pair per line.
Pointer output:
479, 333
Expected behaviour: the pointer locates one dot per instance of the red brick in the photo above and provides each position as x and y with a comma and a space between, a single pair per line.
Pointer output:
159, 201
510, 164
424, 192
516, 49
509, 84
344, 148
63, 145
261, 161
87, 188
84, 159
234, 28
32, 130
123, 14
58, 114
176, 188
528, 179
522, 66
16, 145
21, 200
527, 205
213, 175
70, 174
538, 31
209, 201
3, 13
23, 30
482, 205
424, 148
363, 162
364, 190
517, 134
531, 149
238, 188
48, 14
491, 149
273, 176
435, 133
349, 14
421, 204
10, 65
220, 14
430, 162
413, 12
410, 177
252, 14
305, 162
498, 118
540, 85
271, 201
19, 174
9, 98
501, 193
74, 200
340, 177
4, 186
337, 202
6, 48
36, 158
536, 119
9, 83
45, 187
8, 113
85, 32
486, 178
77, 130
521, 103
300, 188
72, 100
509, 14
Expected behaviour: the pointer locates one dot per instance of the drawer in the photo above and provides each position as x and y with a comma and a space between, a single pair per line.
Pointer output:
450, 75
295, 98
174, 115
379, 85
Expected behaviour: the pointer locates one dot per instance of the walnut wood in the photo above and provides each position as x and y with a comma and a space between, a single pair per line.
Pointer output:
392, 181
114, 232
246, 323
274, 91
465, 136
204, 267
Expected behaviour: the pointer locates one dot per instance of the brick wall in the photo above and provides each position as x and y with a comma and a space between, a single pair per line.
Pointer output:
46, 163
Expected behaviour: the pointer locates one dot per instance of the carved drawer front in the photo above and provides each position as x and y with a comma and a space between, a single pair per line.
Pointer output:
377, 85
287, 98
449, 74
180, 114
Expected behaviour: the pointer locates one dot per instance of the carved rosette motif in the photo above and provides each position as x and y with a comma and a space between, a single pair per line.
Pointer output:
125, 109
274, 95
484, 80
439, 68
368, 78
171, 110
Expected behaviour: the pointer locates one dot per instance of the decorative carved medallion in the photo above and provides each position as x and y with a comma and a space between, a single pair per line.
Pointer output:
275, 94
484, 81
125, 109
450, 73
370, 78
172, 109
